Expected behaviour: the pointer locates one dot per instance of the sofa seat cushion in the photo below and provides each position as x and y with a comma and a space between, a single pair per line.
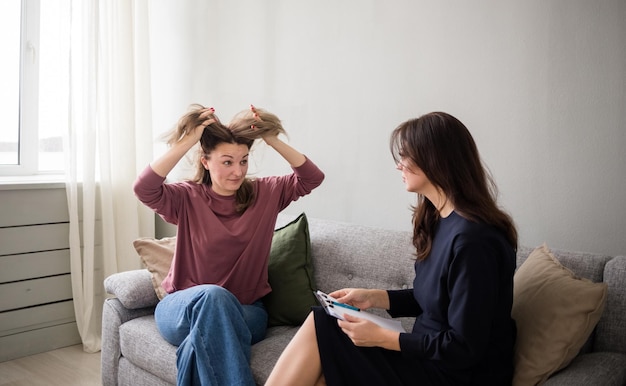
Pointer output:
131, 375
140, 336
142, 344
593, 369
266, 352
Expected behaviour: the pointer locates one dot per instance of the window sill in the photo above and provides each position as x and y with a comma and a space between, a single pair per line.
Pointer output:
40, 181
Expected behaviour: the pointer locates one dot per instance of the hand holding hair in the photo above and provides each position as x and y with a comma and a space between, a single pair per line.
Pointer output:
251, 124
191, 124
205, 118
256, 123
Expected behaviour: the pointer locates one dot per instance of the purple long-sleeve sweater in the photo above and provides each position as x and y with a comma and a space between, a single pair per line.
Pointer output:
214, 243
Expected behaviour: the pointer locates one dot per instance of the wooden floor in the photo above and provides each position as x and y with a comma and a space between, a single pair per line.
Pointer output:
69, 366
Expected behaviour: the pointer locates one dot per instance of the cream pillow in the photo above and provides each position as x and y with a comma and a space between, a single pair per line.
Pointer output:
156, 255
555, 312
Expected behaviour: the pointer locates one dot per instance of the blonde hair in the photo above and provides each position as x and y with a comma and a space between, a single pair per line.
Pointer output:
245, 125
243, 129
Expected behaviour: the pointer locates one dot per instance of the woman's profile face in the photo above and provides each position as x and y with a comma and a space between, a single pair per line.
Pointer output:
414, 178
228, 166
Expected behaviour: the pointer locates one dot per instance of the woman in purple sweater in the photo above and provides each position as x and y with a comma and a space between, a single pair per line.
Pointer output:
462, 292
225, 223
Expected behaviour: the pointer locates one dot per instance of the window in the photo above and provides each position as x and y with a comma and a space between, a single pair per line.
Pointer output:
10, 79
33, 116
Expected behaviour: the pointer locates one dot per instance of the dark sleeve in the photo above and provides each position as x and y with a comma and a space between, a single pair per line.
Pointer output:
402, 303
473, 290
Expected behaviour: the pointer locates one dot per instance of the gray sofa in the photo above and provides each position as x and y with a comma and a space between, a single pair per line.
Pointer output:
346, 255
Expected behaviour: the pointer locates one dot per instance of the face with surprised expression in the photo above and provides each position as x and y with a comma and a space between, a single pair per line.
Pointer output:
228, 166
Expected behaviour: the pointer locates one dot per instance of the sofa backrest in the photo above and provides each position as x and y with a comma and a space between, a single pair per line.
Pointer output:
348, 255
587, 265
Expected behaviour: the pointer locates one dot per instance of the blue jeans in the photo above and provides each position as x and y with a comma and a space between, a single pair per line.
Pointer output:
213, 332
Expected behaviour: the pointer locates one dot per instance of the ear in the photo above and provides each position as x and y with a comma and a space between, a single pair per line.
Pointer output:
205, 162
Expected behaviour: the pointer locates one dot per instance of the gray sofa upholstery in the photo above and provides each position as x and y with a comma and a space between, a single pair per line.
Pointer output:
346, 255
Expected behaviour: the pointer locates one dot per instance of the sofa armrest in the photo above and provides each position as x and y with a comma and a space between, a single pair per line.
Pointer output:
114, 314
610, 332
133, 288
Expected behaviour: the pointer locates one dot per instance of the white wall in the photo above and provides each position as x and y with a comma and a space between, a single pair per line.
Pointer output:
540, 84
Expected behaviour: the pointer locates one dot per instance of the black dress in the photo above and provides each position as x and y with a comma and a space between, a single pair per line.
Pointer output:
463, 334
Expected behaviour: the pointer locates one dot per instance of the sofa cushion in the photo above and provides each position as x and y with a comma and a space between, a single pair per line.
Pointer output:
555, 312
597, 368
136, 376
157, 256
266, 352
290, 275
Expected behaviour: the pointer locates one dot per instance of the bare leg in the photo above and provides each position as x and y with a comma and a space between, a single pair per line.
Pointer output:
299, 364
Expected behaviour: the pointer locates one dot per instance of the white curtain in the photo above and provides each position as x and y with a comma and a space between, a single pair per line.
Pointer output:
109, 141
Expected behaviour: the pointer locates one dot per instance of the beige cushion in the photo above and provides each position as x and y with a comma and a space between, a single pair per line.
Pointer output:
555, 312
157, 256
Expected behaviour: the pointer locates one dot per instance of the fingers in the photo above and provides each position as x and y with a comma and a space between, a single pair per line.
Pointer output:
206, 122
207, 112
209, 121
346, 295
207, 118
346, 324
255, 114
198, 130
339, 293
351, 318
352, 327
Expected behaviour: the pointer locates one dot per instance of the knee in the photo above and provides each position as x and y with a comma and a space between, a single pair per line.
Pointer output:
216, 295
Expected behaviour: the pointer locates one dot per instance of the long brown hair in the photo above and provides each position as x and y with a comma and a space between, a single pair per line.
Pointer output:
244, 129
443, 148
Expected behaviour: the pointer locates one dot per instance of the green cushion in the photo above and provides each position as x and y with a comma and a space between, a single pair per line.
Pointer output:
290, 275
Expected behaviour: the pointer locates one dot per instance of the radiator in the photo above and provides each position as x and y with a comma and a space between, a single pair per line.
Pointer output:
36, 307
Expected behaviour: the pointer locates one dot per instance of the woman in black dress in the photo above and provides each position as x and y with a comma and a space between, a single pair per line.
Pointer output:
462, 292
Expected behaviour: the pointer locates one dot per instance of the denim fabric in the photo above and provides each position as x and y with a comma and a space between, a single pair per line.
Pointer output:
213, 332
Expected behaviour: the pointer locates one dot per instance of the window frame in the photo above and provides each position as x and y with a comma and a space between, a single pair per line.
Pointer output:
28, 135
